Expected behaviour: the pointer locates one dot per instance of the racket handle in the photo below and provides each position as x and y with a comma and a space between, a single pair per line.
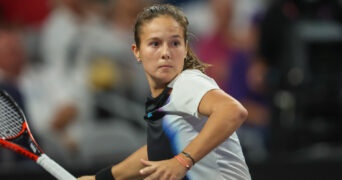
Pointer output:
54, 169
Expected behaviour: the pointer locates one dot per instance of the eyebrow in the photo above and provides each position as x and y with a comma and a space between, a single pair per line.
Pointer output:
176, 36
156, 38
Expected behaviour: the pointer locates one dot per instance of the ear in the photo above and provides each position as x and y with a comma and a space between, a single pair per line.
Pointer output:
136, 51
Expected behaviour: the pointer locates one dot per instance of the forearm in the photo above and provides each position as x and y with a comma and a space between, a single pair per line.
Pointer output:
129, 168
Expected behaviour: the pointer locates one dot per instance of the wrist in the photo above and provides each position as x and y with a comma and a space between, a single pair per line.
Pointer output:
187, 163
187, 155
105, 174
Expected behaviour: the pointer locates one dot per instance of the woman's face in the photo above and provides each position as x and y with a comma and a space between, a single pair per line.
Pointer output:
162, 50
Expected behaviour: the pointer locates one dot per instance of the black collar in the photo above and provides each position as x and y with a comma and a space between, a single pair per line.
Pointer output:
153, 104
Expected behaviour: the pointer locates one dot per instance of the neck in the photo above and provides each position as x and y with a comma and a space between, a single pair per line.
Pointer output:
156, 91
156, 88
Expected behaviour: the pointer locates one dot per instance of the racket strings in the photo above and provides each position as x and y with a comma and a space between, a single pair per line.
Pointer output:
10, 119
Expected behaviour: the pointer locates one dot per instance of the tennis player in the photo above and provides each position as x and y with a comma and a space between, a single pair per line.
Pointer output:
191, 121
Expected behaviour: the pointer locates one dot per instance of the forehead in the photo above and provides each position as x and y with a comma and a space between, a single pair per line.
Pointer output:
162, 25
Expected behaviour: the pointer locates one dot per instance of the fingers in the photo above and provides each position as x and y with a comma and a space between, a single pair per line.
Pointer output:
149, 169
167, 169
145, 162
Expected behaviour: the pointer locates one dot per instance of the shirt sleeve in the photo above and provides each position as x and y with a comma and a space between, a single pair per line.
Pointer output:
188, 90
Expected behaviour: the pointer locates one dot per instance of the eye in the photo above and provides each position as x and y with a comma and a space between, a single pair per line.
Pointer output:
175, 43
154, 44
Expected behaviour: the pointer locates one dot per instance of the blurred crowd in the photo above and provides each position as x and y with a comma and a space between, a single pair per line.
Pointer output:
69, 65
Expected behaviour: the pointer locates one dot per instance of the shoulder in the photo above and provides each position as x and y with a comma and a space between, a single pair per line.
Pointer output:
191, 76
192, 82
192, 73
188, 88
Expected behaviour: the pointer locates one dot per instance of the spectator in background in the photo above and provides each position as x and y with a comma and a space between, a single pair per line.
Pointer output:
86, 81
216, 48
230, 47
248, 84
12, 63
106, 43
28, 13
57, 102
20, 23
107, 66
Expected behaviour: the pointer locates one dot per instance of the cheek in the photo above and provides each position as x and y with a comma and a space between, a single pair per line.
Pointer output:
149, 66
148, 54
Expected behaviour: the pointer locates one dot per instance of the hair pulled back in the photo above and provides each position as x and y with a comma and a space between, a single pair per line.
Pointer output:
149, 13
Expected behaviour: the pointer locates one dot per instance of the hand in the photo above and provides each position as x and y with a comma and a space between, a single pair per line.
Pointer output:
162, 170
86, 178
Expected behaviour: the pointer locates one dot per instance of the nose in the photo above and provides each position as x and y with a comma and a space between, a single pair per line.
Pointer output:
165, 52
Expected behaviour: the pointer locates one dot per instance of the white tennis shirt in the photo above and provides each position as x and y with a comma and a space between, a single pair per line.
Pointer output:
174, 121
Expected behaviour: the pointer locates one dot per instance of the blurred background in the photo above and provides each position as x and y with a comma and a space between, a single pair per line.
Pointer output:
69, 65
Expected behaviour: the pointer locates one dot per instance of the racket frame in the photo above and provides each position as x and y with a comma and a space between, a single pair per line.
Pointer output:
33, 152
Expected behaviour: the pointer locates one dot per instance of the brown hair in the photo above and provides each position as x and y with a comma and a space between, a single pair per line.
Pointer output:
191, 61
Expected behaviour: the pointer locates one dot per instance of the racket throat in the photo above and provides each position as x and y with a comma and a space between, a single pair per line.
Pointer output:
23, 145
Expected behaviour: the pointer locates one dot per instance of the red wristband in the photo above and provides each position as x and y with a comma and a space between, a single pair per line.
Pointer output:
183, 162
189, 156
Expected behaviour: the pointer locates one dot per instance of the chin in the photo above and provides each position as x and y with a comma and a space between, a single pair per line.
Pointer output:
166, 78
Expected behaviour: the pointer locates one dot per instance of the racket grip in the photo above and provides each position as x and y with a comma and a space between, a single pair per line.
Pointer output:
54, 169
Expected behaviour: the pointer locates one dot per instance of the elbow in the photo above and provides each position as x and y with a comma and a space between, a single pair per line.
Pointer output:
243, 114
235, 115
239, 113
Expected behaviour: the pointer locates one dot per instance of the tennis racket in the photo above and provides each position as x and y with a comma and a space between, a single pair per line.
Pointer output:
16, 136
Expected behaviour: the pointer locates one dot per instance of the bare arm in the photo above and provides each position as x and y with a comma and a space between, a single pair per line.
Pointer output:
128, 168
225, 115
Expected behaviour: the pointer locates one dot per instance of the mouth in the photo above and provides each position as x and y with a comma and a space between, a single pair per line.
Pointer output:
165, 66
